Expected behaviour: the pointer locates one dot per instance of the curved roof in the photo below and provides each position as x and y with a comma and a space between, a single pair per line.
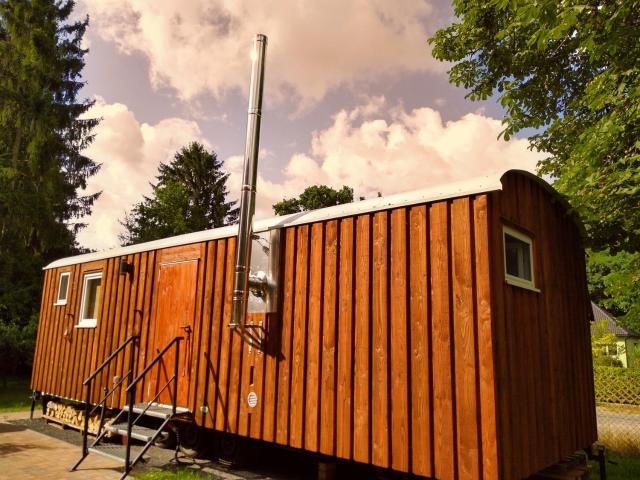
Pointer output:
484, 184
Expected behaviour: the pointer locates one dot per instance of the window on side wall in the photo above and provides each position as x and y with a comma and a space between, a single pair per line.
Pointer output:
63, 288
91, 287
518, 259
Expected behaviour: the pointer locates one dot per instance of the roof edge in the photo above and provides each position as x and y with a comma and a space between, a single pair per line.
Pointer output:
571, 212
483, 184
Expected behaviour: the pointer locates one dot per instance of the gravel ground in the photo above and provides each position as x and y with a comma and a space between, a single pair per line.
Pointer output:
40, 425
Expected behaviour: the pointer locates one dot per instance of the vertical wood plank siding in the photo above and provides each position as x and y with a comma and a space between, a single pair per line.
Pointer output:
544, 381
397, 342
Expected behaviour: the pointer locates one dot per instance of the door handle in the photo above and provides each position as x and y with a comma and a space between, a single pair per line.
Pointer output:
187, 356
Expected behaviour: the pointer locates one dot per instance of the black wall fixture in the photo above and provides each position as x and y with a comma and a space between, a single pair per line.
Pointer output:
126, 268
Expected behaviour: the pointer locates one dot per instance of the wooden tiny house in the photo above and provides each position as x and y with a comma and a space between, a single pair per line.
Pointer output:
443, 332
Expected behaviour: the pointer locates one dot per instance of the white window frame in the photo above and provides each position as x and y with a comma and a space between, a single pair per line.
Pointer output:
512, 279
66, 293
87, 322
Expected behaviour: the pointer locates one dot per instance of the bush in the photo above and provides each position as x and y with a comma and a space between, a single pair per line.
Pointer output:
17, 344
617, 385
633, 354
607, 361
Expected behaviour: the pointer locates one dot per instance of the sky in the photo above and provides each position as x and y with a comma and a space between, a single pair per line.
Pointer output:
352, 97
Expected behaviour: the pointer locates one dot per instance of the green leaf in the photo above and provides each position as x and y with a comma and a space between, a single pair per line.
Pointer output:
571, 72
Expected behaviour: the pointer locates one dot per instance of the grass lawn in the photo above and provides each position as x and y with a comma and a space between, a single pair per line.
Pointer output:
180, 474
15, 396
618, 468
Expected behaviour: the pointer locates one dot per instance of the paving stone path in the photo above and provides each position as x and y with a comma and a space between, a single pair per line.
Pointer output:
33, 449
29, 455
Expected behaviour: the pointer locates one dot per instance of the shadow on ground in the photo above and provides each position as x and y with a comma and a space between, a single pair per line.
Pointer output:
6, 449
10, 428
254, 460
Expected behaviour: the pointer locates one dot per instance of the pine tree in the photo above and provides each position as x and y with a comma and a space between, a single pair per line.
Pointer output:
43, 132
190, 195
200, 172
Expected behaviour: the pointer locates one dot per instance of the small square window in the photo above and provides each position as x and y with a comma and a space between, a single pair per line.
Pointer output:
518, 259
90, 300
63, 289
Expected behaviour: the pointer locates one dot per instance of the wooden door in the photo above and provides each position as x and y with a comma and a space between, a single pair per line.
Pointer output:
174, 314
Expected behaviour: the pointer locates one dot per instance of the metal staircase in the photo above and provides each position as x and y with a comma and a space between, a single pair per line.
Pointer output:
142, 422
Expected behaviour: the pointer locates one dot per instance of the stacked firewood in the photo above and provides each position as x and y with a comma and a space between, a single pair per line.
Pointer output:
72, 416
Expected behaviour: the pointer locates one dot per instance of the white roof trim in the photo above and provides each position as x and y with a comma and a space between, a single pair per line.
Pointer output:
487, 183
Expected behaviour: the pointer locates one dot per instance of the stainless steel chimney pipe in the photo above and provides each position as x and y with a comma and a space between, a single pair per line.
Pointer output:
248, 195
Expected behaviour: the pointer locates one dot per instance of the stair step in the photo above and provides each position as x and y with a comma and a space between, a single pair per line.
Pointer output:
114, 451
138, 432
155, 410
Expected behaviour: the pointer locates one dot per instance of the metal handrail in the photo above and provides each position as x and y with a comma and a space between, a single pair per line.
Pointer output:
87, 384
131, 391
150, 402
108, 393
109, 358
155, 360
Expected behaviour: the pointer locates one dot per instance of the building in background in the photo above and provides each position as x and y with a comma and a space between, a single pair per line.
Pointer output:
627, 345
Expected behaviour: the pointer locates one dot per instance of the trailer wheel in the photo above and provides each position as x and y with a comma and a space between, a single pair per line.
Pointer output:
189, 439
229, 448
166, 439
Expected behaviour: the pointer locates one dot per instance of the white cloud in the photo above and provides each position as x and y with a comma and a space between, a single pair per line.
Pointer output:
371, 148
203, 46
130, 152
403, 151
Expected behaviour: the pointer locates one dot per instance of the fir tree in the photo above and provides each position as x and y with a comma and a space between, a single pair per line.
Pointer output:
43, 132
190, 195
